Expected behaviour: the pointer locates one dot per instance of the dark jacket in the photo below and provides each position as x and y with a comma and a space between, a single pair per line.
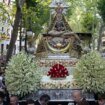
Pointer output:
5, 103
37, 102
83, 102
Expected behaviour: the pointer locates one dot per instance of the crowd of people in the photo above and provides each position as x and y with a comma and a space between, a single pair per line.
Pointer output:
44, 99
13, 100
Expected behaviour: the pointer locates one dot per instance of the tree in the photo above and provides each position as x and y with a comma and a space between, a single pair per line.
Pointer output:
6, 13
88, 22
101, 9
35, 15
102, 28
83, 15
19, 4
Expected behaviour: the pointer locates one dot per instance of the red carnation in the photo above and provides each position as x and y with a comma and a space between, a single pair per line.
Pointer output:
58, 71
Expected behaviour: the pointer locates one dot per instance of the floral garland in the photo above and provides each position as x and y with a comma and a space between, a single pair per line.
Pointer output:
58, 71
49, 83
49, 63
60, 85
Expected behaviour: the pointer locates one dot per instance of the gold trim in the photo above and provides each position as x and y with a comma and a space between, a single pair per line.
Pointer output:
54, 50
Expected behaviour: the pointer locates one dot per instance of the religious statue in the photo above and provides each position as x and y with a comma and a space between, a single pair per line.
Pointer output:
59, 38
59, 26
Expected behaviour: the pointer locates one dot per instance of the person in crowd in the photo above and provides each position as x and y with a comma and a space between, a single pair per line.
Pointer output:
14, 100
78, 98
101, 99
43, 100
30, 102
2, 98
3, 89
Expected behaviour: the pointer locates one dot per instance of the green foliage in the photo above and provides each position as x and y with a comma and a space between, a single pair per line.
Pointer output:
6, 13
88, 22
75, 19
36, 17
22, 75
37, 11
90, 73
83, 15
101, 7
31, 3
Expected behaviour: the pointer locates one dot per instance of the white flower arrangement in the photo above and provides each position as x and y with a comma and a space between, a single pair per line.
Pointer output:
22, 75
90, 73
60, 85
67, 83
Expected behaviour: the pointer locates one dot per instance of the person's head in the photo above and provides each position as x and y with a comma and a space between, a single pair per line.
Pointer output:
30, 102
101, 99
13, 100
44, 99
2, 95
77, 96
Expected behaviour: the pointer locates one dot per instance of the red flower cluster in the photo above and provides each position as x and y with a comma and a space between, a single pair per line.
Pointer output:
58, 71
